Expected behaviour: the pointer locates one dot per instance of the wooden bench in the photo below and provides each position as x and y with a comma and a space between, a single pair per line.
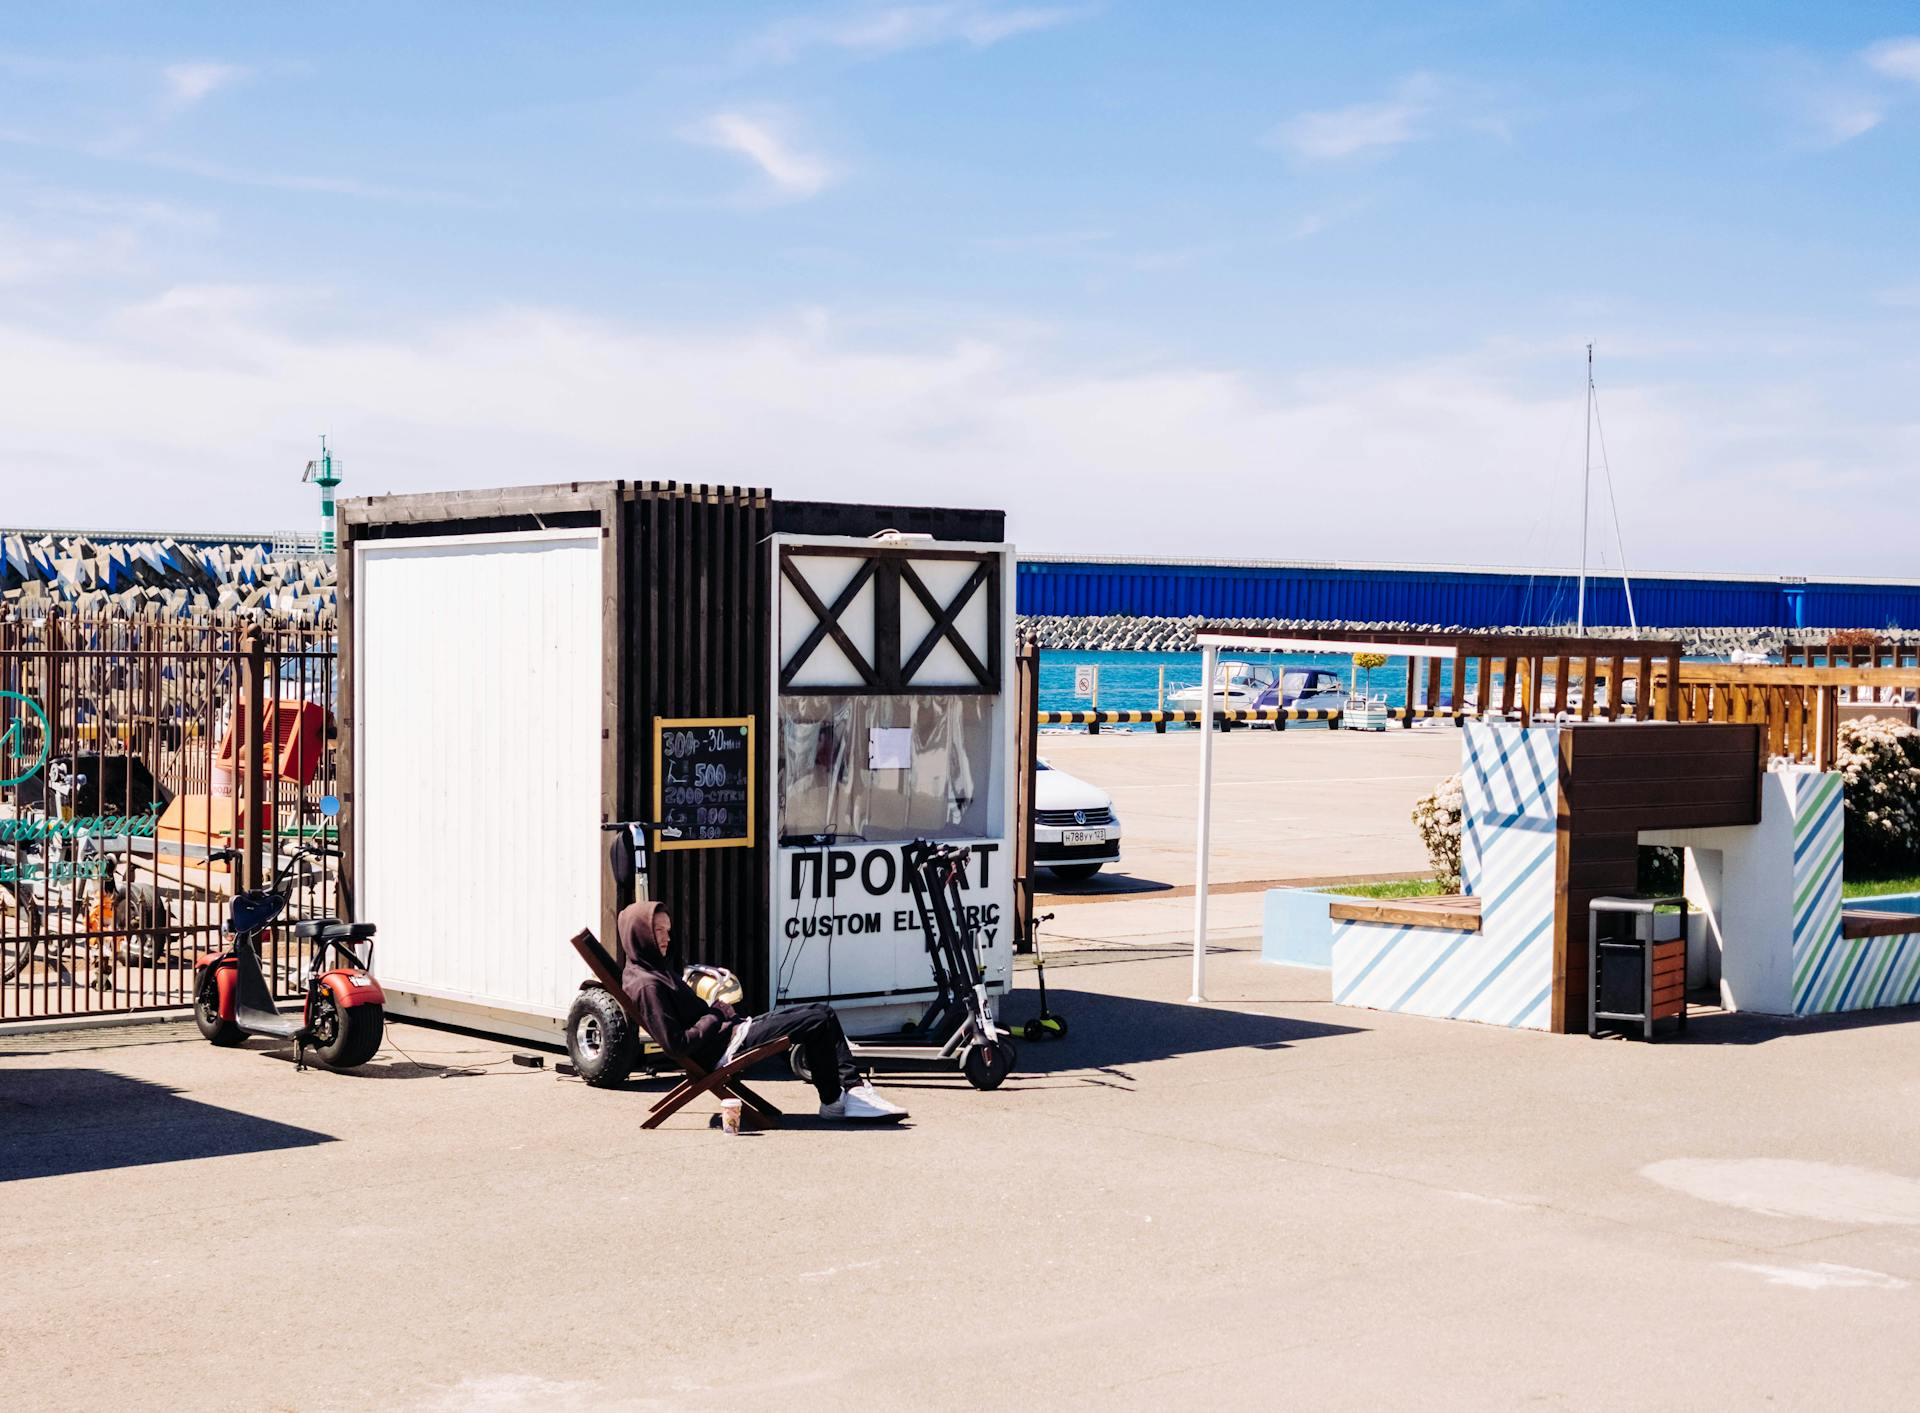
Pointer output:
723, 1083
1452, 912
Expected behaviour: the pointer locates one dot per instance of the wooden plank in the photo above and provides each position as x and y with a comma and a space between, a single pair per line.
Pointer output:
1656, 794
1797, 676
1869, 922
1673, 740
1568, 1005
371, 512
1452, 912
612, 683
1587, 681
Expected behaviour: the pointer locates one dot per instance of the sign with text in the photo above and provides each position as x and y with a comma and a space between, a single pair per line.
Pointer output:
847, 927
703, 781
24, 737
1086, 682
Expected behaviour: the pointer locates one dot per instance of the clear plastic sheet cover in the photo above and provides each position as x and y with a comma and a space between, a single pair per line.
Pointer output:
826, 787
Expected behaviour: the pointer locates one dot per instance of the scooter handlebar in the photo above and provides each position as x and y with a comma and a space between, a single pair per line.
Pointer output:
665, 831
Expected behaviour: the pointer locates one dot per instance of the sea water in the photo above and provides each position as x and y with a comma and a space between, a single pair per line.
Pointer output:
1131, 681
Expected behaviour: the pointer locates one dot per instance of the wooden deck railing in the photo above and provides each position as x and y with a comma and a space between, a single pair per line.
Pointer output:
1607, 679
1798, 705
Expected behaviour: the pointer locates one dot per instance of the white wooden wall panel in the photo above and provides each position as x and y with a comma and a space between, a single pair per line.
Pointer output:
477, 764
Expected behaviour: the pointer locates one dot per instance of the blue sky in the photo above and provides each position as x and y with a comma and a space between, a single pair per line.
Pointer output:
1188, 279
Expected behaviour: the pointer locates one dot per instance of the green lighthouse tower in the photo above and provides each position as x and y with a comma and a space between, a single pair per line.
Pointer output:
322, 473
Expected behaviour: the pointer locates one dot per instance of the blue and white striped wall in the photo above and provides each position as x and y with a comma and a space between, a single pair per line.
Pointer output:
1502, 974
1831, 972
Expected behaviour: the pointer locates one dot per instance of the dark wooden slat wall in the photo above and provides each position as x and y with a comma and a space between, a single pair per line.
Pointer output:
1615, 783
695, 636
814, 517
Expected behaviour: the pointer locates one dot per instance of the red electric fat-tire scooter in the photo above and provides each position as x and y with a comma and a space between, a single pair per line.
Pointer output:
344, 1015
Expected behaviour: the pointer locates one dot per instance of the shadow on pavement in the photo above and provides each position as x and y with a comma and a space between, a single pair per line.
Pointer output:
1747, 1028
1101, 885
59, 1121
1109, 1032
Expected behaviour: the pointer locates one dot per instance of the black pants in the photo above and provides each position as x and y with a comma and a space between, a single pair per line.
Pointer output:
816, 1030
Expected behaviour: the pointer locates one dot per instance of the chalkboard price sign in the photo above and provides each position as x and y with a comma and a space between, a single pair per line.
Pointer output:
703, 779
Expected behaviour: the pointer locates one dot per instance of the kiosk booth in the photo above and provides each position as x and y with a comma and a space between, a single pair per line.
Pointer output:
799, 688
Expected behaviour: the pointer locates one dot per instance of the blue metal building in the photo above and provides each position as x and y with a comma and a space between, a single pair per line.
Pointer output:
1452, 596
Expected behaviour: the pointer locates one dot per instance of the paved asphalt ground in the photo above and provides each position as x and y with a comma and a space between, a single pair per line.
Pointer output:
1267, 1201
1304, 803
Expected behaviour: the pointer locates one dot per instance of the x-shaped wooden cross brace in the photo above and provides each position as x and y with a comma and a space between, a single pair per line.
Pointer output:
827, 621
945, 623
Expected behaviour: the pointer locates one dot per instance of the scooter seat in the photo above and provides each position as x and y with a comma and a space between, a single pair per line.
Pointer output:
331, 929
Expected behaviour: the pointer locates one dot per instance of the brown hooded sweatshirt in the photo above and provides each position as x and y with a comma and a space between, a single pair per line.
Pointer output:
678, 1021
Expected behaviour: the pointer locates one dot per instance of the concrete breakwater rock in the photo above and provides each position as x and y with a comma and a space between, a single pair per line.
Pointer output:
1176, 635
162, 578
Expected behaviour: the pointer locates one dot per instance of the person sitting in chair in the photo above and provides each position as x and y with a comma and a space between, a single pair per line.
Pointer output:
711, 1035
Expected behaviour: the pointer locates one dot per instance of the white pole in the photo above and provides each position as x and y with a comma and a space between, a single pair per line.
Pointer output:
1208, 658
1586, 496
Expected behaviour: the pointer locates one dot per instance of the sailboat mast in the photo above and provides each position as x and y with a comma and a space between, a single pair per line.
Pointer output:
1586, 494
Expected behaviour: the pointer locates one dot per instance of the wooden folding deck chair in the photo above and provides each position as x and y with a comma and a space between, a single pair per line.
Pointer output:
722, 1083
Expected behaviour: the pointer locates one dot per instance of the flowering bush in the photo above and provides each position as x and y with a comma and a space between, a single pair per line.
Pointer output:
1662, 870
1881, 763
1438, 818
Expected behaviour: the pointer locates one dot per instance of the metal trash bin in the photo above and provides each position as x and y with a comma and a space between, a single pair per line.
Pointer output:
1636, 962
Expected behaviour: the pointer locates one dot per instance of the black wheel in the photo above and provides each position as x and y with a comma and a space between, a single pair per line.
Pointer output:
797, 1060
1052, 1028
986, 1065
206, 1013
19, 931
600, 1039
1075, 873
345, 1038
146, 917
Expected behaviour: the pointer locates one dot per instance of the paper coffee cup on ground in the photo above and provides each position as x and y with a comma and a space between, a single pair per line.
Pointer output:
730, 1115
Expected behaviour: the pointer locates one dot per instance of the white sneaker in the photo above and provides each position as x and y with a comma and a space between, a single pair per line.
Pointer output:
836, 1110
864, 1102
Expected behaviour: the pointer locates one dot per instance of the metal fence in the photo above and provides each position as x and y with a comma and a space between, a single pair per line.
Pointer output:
134, 753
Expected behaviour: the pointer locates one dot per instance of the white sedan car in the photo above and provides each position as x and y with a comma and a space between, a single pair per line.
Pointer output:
1075, 831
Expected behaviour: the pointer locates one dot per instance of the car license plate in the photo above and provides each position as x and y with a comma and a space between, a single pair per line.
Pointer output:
1074, 837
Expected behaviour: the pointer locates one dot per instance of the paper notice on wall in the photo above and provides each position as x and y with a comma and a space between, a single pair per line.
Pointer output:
889, 747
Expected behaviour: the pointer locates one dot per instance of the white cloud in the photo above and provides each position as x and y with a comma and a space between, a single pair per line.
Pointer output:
187, 84
1842, 117
1330, 134
191, 407
29, 256
873, 31
1896, 58
794, 175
